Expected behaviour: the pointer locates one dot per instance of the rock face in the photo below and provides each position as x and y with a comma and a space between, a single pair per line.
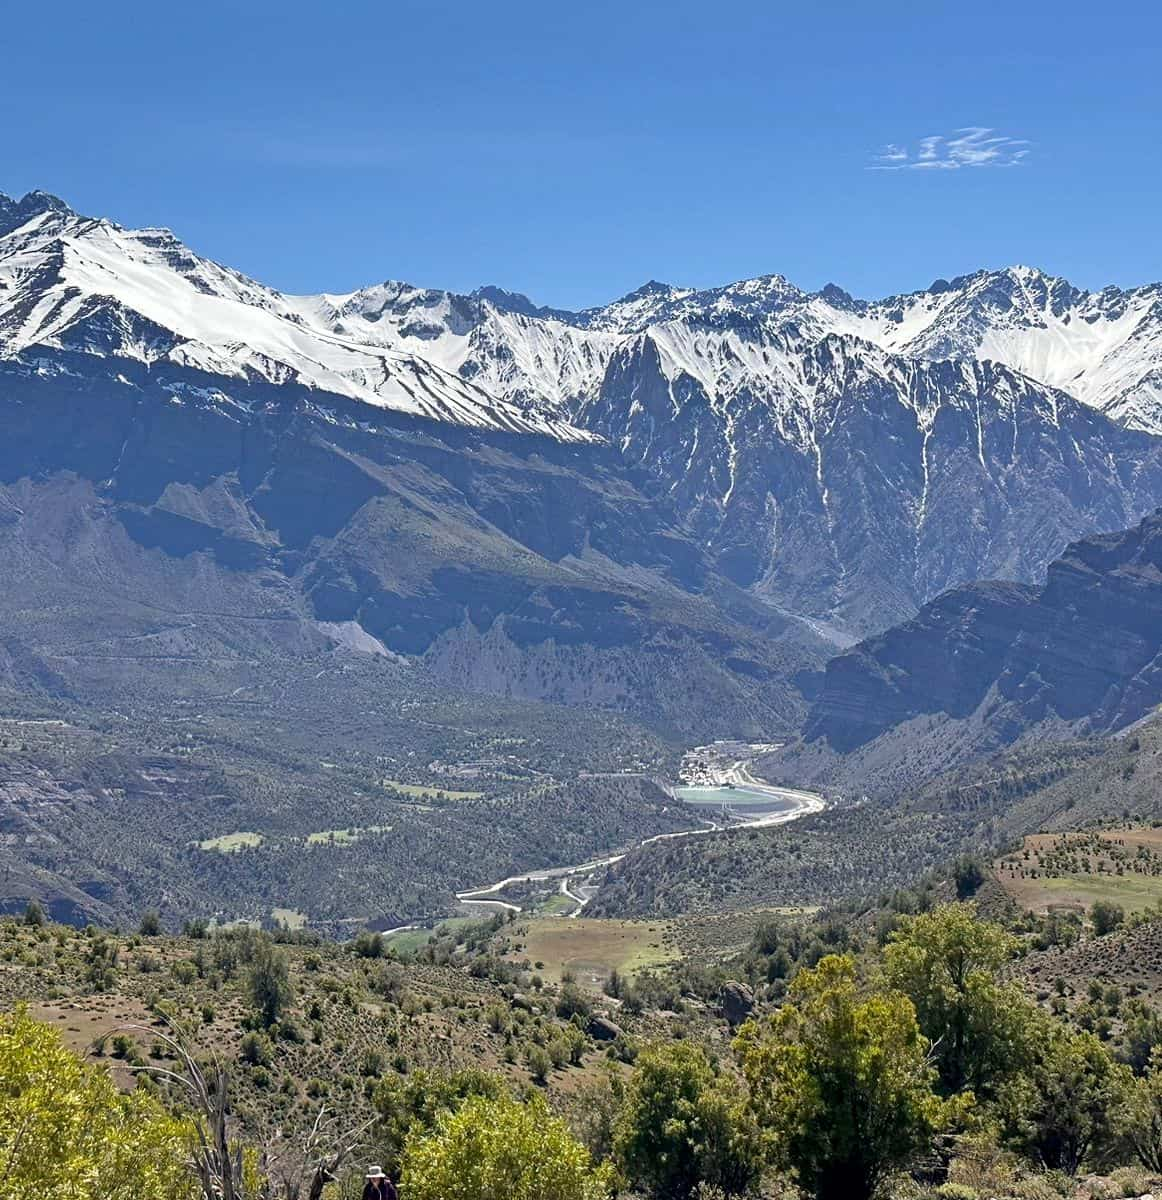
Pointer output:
814, 461
853, 485
161, 527
1083, 651
737, 1001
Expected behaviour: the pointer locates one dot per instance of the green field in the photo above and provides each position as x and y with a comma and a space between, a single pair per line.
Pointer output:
344, 837
557, 905
429, 793
1133, 894
231, 843
410, 940
592, 949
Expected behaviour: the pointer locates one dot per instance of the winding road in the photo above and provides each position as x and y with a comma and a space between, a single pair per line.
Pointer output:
738, 774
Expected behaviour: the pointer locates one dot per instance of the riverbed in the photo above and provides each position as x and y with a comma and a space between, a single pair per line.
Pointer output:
741, 803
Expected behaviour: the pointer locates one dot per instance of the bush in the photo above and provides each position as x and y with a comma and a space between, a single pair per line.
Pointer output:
968, 873
369, 945
65, 1128
539, 1063
501, 1148
1106, 916
572, 1001
682, 1129
411, 1106
255, 1050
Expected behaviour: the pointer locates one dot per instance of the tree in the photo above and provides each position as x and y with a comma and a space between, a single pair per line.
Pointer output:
1070, 1101
64, 1125
681, 1127
841, 1082
410, 1106
1106, 916
968, 873
150, 924
1141, 1116
946, 963
269, 982
34, 914
490, 1148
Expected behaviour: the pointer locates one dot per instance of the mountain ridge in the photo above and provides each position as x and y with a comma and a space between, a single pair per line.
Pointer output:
987, 664
828, 459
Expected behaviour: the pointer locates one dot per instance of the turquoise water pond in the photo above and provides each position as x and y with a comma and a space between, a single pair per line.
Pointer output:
738, 798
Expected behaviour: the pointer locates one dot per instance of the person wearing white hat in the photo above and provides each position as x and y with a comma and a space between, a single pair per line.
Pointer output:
378, 1186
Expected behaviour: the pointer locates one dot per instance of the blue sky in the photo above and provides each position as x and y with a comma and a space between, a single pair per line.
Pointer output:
574, 151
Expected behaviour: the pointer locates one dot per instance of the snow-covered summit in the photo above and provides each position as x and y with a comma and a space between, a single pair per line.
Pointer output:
89, 286
495, 358
1104, 348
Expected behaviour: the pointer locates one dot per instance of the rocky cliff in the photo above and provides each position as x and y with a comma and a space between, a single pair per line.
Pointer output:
989, 661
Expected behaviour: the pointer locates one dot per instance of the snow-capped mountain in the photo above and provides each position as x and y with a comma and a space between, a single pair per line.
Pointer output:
839, 480
844, 460
1104, 348
71, 283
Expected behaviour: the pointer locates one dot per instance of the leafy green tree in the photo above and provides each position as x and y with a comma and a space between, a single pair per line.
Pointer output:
1141, 1116
492, 1148
1142, 1032
409, 1106
66, 1129
841, 1083
968, 873
681, 1126
1071, 1100
268, 982
150, 924
1106, 916
34, 914
946, 962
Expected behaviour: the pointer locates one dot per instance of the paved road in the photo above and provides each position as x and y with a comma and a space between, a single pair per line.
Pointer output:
738, 774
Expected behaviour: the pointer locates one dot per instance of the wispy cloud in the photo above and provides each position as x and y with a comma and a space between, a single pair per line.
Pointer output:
975, 146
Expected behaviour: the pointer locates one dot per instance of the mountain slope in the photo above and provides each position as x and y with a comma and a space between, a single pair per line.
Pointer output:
984, 664
89, 287
176, 539
842, 461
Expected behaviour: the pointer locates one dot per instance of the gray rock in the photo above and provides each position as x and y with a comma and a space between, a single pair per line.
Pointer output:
737, 1001
602, 1029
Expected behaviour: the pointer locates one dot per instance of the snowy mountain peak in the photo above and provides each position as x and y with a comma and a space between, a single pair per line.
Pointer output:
84, 286
1104, 348
496, 356
15, 213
